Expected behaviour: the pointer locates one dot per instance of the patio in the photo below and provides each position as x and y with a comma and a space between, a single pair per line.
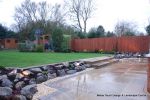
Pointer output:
125, 80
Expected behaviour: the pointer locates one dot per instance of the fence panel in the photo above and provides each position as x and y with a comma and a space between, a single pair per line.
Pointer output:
121, 44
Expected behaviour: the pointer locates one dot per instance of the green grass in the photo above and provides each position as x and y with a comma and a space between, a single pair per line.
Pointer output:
24, 59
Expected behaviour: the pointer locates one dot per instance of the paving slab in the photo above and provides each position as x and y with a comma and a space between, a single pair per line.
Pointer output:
125, 80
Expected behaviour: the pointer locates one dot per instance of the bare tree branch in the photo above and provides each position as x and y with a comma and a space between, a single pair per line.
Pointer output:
80, 12
125, 28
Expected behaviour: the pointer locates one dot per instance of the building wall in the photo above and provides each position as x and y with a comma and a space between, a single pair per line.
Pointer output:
10, 43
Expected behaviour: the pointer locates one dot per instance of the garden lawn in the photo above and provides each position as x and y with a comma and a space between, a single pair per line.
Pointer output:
25, 59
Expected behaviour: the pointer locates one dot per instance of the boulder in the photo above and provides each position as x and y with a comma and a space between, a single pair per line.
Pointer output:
3, 77
29, 90
32, 81
39, 74
81, 63
13, 72
32, 75
58, 67
44, 68
51, 76
26, 72
80, 68
7, 70
19, 97
35, 70
16, 80
71, 71
41, 78
3, 70
51, 71
87, 65
66, 64
61, 72
66, 69
19, 85
50, 67
6, 83
72, 66
12, 75
19, 76
26, 81
83, 67
76, 64
5, 91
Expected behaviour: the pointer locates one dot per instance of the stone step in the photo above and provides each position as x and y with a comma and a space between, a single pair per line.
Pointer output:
97, 60
105, 63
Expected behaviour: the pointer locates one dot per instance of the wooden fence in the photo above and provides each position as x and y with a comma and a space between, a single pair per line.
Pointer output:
121, 44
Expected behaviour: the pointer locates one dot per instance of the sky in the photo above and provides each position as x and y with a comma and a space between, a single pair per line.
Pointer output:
107, 12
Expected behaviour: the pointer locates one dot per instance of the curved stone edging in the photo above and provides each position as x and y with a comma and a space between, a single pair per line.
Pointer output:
22, 82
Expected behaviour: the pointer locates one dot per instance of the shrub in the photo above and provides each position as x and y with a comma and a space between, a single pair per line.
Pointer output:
65, 46
26, 47
39, 48
57, 37
30, 46
22, 47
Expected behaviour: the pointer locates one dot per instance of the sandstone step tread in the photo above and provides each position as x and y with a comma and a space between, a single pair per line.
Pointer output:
97, 60
100, 64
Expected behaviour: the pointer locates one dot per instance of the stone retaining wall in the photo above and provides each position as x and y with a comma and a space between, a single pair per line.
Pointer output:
20, 84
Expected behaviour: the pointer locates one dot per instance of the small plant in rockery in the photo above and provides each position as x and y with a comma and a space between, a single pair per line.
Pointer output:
112, 52
45, 72
101, 51
96, 51
3, 70
85, 50
2, 67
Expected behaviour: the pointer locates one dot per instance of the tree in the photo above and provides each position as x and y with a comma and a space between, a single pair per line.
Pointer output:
26, 12
110, 34
3, 31
148, 29
92, 33
124, 28
58, 14
25, 16
80, 12
96, 32
100, 31
31, 16
81, 35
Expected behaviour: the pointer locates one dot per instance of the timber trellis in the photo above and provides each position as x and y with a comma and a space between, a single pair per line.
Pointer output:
121, 44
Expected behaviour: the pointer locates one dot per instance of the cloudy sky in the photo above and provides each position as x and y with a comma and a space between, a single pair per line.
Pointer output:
107, 13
